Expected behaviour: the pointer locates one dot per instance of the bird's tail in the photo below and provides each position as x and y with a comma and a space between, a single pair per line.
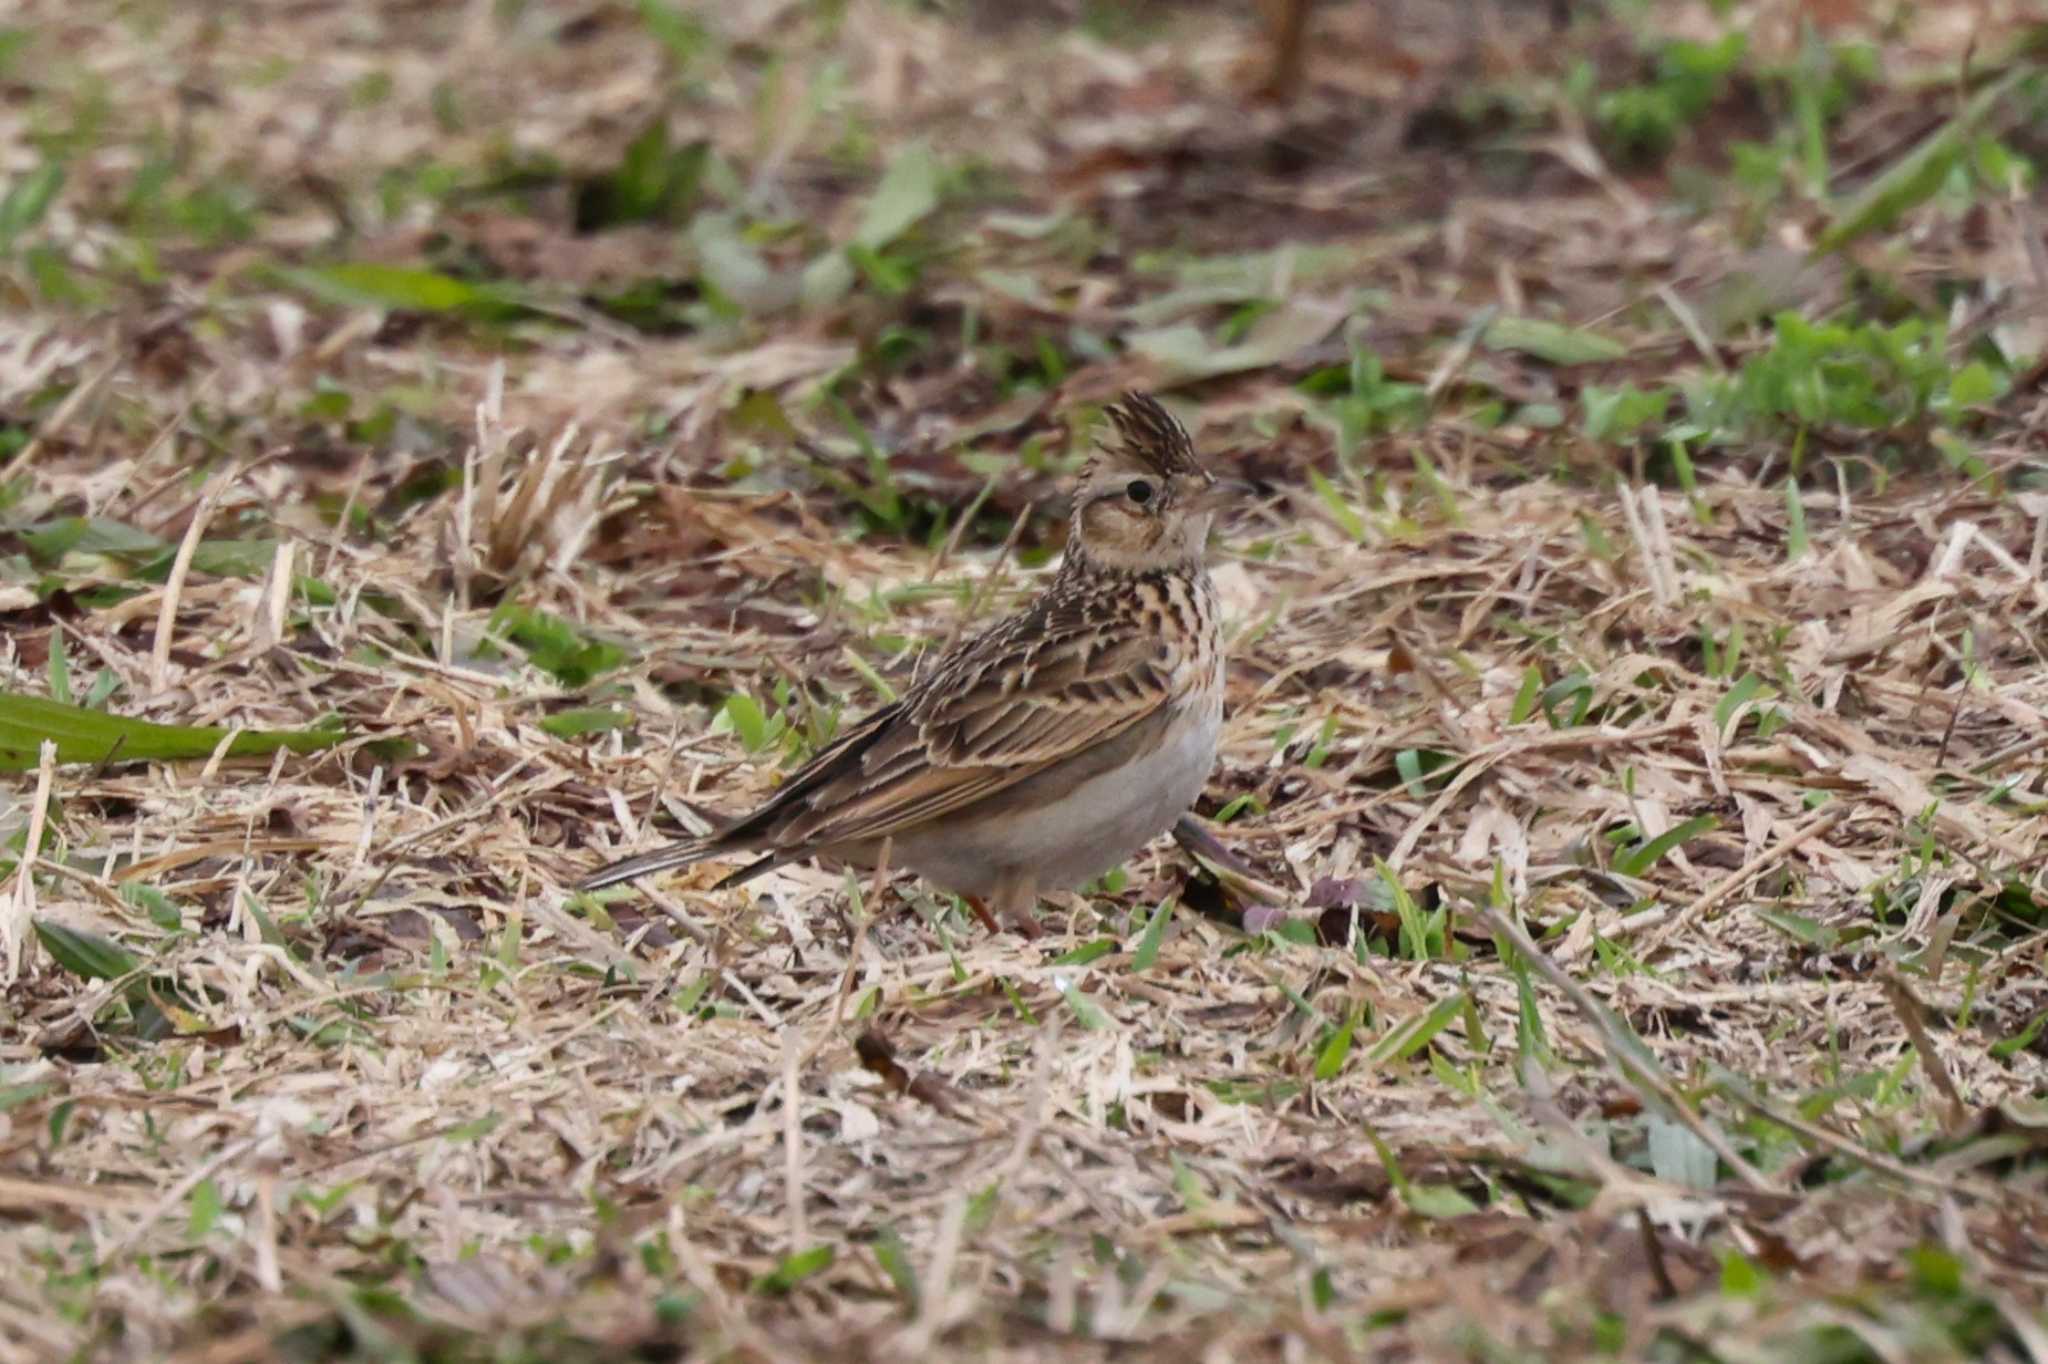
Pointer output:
682, 855
661, 859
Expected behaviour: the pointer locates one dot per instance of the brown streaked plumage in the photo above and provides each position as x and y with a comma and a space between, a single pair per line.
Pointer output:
1049, 747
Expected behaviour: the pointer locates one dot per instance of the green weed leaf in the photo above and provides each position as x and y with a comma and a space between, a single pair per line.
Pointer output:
575, 724
908, 193
794, 1269
371, 284
84, 954
28, 199
1553, 342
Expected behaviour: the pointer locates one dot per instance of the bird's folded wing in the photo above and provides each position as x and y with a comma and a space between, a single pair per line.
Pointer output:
993, 722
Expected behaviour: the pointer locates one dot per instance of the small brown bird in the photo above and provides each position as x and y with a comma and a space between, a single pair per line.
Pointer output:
1051, 746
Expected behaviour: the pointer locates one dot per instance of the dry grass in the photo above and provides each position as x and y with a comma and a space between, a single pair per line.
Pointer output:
377, 1088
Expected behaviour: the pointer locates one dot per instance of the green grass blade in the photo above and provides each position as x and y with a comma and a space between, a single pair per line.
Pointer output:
1796, 542
1330, 1060
1526, 696
1915, 177
1154, 935
1414, 1032
91, 736
1646, 855
1736, 697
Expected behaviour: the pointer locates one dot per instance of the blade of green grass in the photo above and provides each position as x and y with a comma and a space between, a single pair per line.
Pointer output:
1918, 175
1414, 1032
1724, 709
91, 736
1085, 1009
27, 200
1796, 543
1154, 935
1639, 859
1330, 1060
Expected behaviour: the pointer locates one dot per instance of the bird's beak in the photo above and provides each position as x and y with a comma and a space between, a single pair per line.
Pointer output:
1220, 493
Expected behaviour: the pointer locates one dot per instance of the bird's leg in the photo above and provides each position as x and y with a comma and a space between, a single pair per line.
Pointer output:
980, 908
1016, 899
1288, 22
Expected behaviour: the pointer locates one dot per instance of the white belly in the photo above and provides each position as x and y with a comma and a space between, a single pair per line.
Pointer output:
1089, 829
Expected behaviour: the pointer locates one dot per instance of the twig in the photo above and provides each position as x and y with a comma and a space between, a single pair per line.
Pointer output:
793, 1141
175, 1195
987, 585
931, 1310
1948, 733
174, 587
1908, 1007
67, 409
959, 532
1653, 1252
1813, 828
1736, 1088
1641, 1067
1689, 323
18, 926
1460, 354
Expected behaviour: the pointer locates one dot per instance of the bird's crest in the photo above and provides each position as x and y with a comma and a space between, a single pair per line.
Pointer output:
1152, 438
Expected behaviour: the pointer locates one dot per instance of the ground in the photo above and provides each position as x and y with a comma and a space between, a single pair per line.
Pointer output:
463, 442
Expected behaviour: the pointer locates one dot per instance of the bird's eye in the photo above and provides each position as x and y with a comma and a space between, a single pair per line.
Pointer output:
1139, 491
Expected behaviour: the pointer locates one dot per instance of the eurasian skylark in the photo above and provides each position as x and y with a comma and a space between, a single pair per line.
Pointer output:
1051, 746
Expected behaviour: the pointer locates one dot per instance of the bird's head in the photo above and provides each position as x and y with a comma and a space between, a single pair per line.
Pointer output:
1144, 502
